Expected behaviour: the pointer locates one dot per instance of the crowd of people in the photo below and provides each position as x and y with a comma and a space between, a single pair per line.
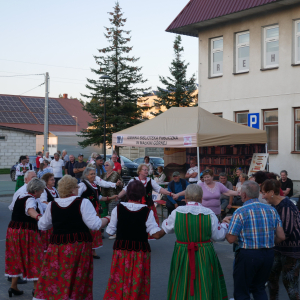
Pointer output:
58, 217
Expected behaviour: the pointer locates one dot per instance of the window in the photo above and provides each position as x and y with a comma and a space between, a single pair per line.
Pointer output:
271, 47
2, 138
297, 42
271, 127
219, 115
297, 129
216, 57
241, 117
242, 52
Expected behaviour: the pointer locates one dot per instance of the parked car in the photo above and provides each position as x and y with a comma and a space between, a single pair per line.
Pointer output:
155, 161
129, 170
13, 168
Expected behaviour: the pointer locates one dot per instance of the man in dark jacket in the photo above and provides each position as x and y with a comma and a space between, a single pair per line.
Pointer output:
177, 185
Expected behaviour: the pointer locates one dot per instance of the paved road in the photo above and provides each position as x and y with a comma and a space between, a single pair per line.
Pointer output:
7, 186
161, 258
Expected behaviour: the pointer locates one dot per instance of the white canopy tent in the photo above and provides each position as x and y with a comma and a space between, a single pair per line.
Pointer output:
187, 127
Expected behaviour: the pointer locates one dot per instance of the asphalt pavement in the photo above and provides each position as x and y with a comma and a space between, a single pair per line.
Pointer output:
7, 186
160, 264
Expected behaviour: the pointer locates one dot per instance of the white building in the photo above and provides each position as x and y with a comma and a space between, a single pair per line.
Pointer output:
249, 62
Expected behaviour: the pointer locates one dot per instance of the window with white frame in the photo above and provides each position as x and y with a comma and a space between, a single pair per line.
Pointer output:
271, 127
216, 56
297, 42
297, 129
271, 46
242, 51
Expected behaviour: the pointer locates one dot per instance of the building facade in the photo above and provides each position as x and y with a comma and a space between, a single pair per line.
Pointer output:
251, 64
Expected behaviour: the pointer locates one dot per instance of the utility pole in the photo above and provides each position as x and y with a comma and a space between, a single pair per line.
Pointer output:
46, 127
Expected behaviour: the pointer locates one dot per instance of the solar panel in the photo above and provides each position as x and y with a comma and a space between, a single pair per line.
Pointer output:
11, 103
37, 105
17, 117
55, 119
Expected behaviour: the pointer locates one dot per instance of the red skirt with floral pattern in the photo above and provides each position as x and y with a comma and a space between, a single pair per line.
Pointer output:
153, 208
23, 254
129, 276
97, 239
45, 236
67, 272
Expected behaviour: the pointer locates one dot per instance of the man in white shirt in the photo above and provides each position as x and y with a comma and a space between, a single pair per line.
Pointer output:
192, 173
58, 166
47, 157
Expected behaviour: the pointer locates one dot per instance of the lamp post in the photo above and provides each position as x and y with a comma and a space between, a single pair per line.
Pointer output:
104, 78
76, 123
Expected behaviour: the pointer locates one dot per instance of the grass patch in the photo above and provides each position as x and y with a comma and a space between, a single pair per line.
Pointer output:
4, 171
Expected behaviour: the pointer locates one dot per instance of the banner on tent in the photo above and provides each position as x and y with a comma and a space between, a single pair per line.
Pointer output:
163, 141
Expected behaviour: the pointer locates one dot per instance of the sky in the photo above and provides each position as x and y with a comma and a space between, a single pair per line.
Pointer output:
61, 37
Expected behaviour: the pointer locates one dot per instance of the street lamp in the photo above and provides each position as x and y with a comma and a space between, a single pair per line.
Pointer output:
76, 123
104, 78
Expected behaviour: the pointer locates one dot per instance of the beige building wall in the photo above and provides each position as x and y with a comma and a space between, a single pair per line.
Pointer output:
256, 90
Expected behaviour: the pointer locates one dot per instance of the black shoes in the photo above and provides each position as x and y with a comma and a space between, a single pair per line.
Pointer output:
12, 291
20, 280
33, 292
96, 256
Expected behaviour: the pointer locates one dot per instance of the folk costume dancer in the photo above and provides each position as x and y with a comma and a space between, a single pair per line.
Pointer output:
149, 185
195, 271
130, 268
24, 249
67, 270
21, 169
89, 188
50, 193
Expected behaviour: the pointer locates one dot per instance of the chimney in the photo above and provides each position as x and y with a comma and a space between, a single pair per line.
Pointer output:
65, 96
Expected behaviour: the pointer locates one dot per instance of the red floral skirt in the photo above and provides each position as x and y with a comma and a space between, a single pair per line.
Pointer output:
129, 276
153, 208
45, 236
23, 254
97, 239
67, 273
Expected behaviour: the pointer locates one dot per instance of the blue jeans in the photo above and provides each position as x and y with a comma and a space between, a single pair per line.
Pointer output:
251, 271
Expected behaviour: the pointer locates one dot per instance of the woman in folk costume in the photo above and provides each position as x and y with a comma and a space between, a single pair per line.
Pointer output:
21, 169
195, 271
130, 268
149, 185
50, 193
67, 270
89, 188
24, 249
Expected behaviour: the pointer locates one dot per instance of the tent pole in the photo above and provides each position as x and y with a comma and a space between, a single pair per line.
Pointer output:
198, 161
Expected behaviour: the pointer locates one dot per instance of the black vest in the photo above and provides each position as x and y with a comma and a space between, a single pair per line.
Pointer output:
68, 226
131, 229
91, 194
50, 198
19, 219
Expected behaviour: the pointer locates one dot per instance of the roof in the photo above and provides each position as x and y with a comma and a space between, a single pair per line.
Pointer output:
201, 13
27, 112
19, 129
185, 127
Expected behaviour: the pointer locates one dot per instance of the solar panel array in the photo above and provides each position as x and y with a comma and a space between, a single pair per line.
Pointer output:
28, 110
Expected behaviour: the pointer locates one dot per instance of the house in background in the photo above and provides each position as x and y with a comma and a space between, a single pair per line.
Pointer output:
249, 62
22, 127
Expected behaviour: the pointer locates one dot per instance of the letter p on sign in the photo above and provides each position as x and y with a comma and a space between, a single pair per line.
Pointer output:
253, 120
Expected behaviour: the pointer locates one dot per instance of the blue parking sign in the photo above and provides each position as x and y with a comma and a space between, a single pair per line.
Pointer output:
253, 120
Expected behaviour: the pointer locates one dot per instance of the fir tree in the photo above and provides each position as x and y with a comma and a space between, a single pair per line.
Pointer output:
179, 91
123, 90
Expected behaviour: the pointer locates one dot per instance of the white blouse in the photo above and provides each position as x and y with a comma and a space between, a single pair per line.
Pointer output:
161, 178
18, 172
30, 203
44, 197
151, 224
156, 187
20, 191
218, 230
89, 216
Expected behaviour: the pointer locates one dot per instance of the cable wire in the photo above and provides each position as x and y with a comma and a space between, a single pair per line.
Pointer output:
22, 75
33, 88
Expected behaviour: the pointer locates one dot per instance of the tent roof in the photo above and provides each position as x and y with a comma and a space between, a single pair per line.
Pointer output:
181, 127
